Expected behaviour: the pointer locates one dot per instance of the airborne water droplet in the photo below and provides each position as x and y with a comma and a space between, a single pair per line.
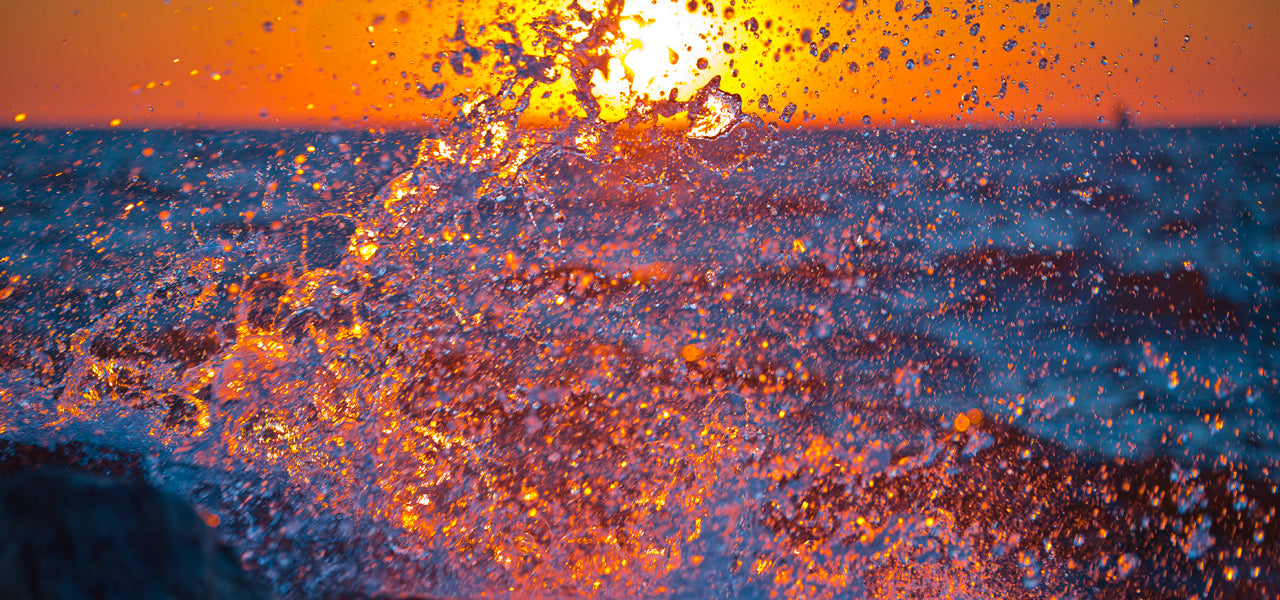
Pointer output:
1042, 12
788, 112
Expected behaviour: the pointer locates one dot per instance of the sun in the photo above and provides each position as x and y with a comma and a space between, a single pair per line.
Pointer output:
665, 45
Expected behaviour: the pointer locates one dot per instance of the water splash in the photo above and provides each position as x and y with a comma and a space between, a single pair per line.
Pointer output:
637, 357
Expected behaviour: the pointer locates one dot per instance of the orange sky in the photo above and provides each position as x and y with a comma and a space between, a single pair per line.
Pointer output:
152, 63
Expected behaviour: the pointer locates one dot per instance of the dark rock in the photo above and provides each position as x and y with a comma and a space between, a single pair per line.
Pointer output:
72, 536
16, 457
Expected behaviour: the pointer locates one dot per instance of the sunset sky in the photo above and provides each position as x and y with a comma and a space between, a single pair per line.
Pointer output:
271, 63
